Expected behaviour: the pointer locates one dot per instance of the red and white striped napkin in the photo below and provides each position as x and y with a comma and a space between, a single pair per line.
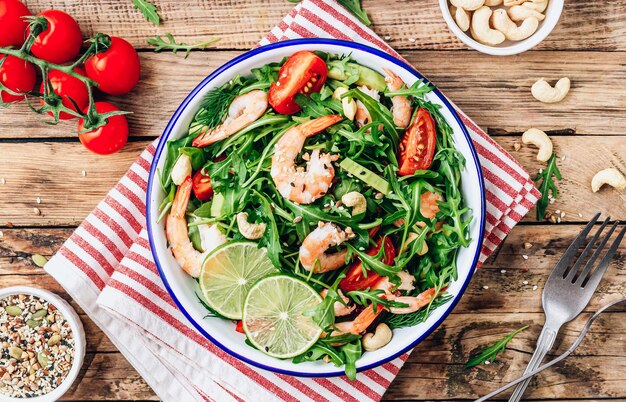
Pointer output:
107, 267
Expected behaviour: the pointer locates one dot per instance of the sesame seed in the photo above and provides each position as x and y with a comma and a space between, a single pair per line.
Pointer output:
387, 37
485, 287
487, 362
580, 215
412, 40
527, 246
562, 214
558, 220
563, 157
525, 283
37, 211
38, 200
1, 233
297, 219
503, 271
541, 171
2, 180
535, 287
379, 196
361, 248
558, 211
84, 173
525, 256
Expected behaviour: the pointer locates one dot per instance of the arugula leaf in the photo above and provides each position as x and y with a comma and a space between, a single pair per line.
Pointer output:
170, 43
354, 6
367, 296
352, 352
377, 111
317, 352
418, 89
547, 185
148, 10
489, 353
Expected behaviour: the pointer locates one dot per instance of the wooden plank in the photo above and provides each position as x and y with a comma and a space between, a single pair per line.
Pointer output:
242, 24
67, 196
495, 92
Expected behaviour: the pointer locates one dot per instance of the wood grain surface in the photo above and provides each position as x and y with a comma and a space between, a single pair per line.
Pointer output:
588, 129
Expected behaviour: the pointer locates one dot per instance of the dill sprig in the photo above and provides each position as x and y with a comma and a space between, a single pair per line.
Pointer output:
170, 43
214, 106
412, 319
489, 353
547, 185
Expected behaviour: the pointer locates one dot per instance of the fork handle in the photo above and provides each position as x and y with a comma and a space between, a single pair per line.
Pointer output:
544, 344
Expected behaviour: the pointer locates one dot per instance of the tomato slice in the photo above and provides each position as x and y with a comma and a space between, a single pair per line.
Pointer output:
303, 72
202, 188
355, 280
417, 147
239, 327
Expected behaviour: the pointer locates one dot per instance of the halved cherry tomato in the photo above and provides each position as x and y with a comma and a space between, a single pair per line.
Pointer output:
239, 327
69, 89
303, 72
12, 24
18, 76
355, 280
109, 138
202, 186
417, 147
61, 41
116, 70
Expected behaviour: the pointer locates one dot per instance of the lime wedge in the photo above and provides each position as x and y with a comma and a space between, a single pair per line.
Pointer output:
273, 316
228, 274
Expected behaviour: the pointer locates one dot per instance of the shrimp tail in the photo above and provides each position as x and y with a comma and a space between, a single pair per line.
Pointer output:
179, 205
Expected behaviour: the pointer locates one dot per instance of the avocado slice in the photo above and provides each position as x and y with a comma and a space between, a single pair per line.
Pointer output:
367, 176
367, 76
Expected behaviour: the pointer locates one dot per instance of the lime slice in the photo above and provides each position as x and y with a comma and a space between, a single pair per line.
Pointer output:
228, 274
273, 316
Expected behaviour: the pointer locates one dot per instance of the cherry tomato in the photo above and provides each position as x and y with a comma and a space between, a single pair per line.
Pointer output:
68, 87
303, 72
116, 70
61, 41
12, 26
417, 147
239, 327
355, 280
202, 186
109, 138
17, 75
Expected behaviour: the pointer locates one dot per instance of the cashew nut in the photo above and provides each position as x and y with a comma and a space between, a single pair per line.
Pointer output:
520, 13
493, 3
410, 239
537, 5
348, 104
510, 3
544, 92
381, 337
610, 176
500, 20
181, 169
461, 17
541, 140
356, 201
480, 29
469, 5
250, 231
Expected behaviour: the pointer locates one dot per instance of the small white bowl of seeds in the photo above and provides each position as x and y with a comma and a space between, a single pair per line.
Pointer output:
42, 345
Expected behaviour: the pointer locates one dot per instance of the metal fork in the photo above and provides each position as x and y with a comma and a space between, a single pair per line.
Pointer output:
568, 292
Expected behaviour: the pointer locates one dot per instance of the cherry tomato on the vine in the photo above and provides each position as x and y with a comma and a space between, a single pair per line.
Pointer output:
109, 138
303, 72
60, 42
18, 76
116, 70
69, 89
12, 24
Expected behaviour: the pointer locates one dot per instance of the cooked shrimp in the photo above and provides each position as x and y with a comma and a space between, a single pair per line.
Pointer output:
177, 231
362, 115
313, 254
428, 204
341, 309
295, 183
243, 111
359, 324
414, 302
401, 108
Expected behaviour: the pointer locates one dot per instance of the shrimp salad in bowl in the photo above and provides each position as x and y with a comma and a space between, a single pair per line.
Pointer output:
318, 204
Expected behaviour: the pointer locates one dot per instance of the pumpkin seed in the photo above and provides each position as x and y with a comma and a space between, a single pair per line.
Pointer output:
15, 352
43, 359
33, 323
13, 310
39, 259
39, 314
54, 339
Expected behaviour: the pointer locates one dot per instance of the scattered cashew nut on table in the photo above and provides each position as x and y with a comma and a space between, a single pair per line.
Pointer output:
610, 176
250, 231
356, 201
500, 20
482, 31
381, 337
541, 140
544, 92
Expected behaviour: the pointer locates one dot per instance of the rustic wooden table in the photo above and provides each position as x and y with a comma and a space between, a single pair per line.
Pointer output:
588, 130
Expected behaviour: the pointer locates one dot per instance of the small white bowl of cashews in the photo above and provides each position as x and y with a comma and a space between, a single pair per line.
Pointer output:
501, 27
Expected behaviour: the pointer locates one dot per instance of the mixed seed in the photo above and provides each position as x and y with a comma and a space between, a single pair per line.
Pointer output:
36, 346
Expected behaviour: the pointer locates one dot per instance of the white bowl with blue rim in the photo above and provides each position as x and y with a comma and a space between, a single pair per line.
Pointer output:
183, 288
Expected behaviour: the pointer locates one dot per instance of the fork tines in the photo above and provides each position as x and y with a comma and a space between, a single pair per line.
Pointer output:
589, 275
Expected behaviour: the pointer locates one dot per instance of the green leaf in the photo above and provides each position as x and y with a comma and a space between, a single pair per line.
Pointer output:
367, 296
490, 352
418, 89
148, 10
419, 316
196, 155
169, 43
352, 352
354, 6
547, 185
